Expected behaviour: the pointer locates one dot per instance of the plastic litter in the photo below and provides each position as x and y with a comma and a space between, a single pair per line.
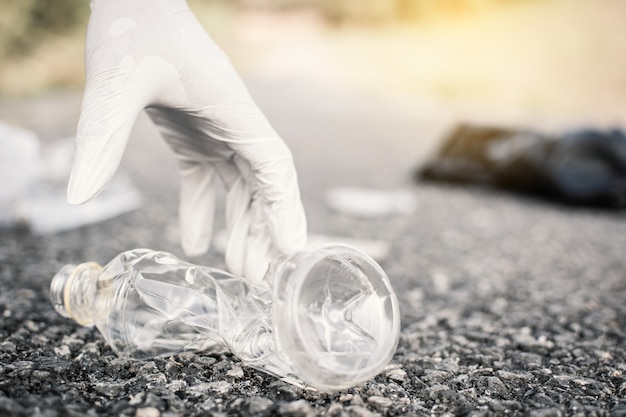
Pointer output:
582, 167
46, 211
19, 167
326, 318
33, 193
368, 203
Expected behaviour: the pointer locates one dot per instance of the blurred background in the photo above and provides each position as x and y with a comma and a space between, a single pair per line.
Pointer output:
338, 77
515, 59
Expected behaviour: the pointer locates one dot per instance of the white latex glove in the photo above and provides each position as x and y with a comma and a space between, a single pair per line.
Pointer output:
154, 54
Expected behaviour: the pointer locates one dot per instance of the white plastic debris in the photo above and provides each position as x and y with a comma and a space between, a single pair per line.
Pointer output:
46, 211
19, 166
369, 203
34, 183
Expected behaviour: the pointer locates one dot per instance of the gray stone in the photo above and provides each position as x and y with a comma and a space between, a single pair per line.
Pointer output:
360, 411
379, 403
258, 406
147, 412
299, 408
433, 377
176, 385
7, 347
154, 401
439, 391
63, 351
147, 369
109, 389
41, 375
396, 374
209, 404
345, 397
283, 391
198, 389
235, 372
357, 400
495, 386
220, 387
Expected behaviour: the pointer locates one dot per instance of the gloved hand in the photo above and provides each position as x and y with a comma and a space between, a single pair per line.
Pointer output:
154, 54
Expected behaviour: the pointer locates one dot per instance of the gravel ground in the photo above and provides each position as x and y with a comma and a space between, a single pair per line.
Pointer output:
511, 306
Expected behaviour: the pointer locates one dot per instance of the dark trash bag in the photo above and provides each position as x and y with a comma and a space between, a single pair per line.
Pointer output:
584, 167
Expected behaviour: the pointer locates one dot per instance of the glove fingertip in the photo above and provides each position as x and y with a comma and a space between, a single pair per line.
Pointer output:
290, 230
196, 225
195, 247
197, 205
76, 194
87, 179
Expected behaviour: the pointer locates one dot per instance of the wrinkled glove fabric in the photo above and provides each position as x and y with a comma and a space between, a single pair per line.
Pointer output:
154, 55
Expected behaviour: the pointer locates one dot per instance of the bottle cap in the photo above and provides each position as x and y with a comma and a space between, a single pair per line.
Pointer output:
68, 290
57, 288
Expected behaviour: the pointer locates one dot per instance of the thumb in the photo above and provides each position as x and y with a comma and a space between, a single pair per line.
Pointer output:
114, 96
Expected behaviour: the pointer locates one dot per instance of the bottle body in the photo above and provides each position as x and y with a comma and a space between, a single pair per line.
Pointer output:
148, 303
318, 318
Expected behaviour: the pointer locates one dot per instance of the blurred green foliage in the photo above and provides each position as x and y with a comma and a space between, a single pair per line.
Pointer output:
24, 23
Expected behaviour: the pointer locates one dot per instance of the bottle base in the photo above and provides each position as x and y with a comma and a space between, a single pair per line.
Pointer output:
336, 317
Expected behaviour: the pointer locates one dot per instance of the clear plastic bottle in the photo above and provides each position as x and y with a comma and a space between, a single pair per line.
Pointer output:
326, 318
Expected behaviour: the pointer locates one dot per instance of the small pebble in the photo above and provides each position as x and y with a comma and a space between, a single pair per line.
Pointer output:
108, 389
356, 400
220, 387
209, 404
72, 341
147, 412
258, 405
62, 351
235, 372
299, 408
396, 374
345, 397
379, 403
41, 375
136, 398
177, 385
439, 391
7, 347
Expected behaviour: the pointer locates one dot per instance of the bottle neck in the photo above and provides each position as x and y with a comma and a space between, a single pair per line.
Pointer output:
72, 291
